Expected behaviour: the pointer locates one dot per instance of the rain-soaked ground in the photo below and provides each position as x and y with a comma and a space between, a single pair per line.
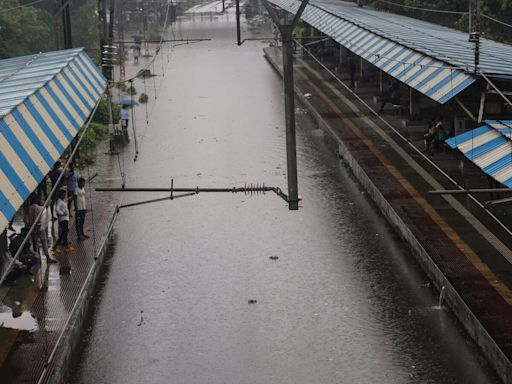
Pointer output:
344, 302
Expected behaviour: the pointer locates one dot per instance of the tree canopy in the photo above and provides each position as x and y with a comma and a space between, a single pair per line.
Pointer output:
496, 9
24, 30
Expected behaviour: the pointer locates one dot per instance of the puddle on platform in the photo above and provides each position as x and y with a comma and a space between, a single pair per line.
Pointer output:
22, 321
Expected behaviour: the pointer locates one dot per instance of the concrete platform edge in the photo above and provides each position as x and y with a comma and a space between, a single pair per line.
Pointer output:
476, 331
71, 335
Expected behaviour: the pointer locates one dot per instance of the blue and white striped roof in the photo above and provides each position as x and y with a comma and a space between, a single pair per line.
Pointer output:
44, 101
490, 148
432, 59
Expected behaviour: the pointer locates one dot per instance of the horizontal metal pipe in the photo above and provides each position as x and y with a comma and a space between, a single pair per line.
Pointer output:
196, 190
155, 200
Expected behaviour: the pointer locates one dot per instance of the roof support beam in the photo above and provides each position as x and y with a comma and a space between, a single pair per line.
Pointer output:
465, 109
493, 92
482, 104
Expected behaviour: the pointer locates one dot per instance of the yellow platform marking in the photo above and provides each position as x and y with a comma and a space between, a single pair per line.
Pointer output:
447, 229
505, 251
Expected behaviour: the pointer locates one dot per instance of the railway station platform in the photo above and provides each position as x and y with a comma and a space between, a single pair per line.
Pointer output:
463, 245
37, 333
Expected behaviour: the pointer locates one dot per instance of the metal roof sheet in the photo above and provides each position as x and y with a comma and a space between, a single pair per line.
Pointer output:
44, 101
432, 59
489, 147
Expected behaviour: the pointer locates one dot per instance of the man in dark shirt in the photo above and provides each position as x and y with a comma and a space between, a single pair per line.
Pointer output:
54, 176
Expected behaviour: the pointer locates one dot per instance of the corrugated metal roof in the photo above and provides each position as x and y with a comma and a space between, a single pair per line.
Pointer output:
432, 59
44, 101
490, 148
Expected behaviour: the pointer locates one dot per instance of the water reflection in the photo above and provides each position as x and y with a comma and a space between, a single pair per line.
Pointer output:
17, 318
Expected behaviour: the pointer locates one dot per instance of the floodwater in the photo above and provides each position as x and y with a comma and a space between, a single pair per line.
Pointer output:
344, 302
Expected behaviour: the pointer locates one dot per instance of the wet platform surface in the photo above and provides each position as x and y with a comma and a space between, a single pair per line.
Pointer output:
34, 312
472, 250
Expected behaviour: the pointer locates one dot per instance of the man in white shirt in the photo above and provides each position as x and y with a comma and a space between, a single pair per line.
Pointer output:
62, 211
81, 209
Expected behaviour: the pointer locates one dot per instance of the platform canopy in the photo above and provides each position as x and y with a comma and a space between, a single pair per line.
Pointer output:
434, 60
44, 101
490, 148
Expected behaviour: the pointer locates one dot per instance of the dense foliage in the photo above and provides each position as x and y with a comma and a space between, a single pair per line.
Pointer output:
23, 30
497, 9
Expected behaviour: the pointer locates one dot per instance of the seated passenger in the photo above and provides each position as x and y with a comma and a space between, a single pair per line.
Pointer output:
26, 259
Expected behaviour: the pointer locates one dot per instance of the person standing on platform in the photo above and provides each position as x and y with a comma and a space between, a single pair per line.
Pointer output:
81, 209
37, 214
62, 211
125, 117
72, 177
54, 176
352, 72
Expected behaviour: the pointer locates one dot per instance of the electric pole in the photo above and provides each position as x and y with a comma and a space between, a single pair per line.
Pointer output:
238, 34
62, 25
107, 49
475, 32
120, 18
289, 99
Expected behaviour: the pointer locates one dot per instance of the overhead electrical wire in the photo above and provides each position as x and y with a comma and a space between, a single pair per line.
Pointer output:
407, 141
23, 5
158, 49
496, 21
423, 9
138, 143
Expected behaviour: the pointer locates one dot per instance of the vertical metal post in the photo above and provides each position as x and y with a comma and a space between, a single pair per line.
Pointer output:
111, 21
66, 25
104, 25
289, 105
223, 6
122, 67
110, 119
145, 26
474, 34
470, 16
289, 100
238, 37
410, 102
62, 25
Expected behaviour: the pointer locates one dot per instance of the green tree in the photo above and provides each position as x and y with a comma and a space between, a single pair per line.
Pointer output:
23, 31
84, 23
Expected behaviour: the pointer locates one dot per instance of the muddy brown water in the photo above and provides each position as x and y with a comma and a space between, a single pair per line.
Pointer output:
344, 302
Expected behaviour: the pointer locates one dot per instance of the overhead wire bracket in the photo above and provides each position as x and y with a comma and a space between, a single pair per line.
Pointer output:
247, 189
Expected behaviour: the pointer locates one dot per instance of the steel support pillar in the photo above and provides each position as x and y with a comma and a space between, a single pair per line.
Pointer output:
289, 100
289, 105
238, 35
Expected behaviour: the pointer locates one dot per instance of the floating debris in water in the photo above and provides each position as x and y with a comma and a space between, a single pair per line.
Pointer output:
252, 301
141, 319
273, 257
